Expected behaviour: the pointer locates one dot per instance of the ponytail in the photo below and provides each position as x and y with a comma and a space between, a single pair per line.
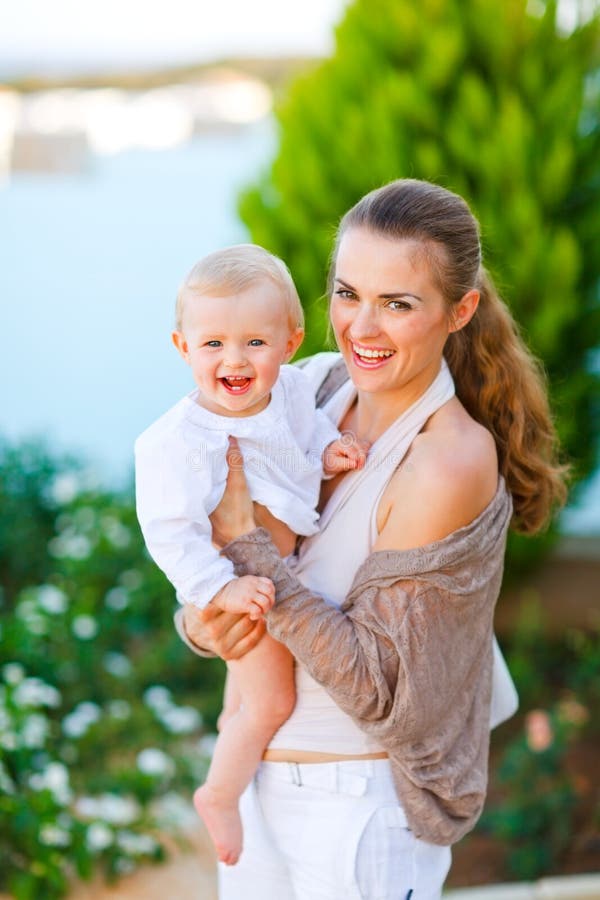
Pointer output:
502, 386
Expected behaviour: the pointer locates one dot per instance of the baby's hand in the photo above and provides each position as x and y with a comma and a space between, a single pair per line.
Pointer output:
249, 594
348, 452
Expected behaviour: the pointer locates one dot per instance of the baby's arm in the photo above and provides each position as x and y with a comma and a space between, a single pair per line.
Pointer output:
322, 441
171, 500
249, 594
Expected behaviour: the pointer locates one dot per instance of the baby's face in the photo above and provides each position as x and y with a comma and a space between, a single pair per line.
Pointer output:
235, 346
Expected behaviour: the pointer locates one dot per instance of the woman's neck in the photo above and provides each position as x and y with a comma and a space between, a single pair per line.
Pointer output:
373, 413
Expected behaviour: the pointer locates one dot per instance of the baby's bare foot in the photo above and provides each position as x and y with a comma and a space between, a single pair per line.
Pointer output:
223, 823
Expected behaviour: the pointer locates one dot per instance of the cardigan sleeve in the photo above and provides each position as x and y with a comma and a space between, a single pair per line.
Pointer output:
394, 657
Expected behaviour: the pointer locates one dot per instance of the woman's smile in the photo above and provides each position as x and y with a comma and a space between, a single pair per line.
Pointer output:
370, 357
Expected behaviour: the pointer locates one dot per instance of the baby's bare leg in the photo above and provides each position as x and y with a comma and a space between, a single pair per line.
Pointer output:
282, 536
231, 701
243, 739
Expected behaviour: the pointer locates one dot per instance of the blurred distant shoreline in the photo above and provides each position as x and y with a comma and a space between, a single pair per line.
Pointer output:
274, 71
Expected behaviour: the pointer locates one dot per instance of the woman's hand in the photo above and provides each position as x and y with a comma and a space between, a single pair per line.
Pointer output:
229, 635
234, 516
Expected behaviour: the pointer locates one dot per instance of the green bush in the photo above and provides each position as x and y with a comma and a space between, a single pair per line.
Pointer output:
534, 820
493, 100
102, 708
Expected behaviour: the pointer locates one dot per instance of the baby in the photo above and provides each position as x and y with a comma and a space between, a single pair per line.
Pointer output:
238, 320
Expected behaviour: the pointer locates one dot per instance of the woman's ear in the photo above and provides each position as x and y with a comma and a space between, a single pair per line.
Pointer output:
464, 310
294, 341
180, 342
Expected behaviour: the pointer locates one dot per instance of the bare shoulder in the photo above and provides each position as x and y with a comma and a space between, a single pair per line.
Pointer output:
445, 481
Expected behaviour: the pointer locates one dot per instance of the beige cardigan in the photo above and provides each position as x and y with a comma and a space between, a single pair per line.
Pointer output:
408, 656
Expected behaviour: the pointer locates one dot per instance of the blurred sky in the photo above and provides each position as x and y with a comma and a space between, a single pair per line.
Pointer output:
63, 35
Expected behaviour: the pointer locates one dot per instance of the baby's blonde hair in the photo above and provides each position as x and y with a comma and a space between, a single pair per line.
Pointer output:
232, 270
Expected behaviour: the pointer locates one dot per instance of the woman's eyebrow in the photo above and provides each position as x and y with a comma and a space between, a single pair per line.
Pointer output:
394, 295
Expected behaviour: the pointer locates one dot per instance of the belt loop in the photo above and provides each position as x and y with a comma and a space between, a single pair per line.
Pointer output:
295, 773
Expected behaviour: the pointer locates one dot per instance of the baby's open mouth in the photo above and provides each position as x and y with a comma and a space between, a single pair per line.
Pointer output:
236, 384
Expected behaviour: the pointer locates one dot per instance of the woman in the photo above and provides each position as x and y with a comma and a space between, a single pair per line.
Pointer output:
383, 763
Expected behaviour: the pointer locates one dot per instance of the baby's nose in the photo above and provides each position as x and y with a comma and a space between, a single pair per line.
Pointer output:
235, 357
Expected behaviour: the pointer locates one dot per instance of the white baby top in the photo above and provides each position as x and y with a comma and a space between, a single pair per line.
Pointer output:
181, 471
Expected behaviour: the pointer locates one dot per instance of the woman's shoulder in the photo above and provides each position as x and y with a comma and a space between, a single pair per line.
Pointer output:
447, 478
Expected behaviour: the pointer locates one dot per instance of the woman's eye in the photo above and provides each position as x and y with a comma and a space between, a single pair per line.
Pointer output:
213, 343
345, 294
256, 342
398, 305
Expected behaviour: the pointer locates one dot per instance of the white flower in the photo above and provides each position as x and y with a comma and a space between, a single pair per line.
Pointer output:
51, 599
55, 778
119, 709
79, 719
117, 533
158, 698
53, 836
124, 866
34, 731
64, 488
206, 744
85, 627
87, 807
89, 710
116, 664
136, 844
70, 546
99, 836
33, 618
34, 692
131, 579
117, 599
75, 726
110, 808
154, 762
171, 809
181, 719
13, 673
8, 740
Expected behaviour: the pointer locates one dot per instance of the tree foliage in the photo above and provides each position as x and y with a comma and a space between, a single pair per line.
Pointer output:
492, 100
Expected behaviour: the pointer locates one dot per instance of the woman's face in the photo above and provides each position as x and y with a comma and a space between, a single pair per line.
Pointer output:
389, 318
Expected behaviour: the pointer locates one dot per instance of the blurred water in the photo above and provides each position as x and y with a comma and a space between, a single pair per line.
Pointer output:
89, 267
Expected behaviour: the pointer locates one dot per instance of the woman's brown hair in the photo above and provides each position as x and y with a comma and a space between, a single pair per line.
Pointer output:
497, 379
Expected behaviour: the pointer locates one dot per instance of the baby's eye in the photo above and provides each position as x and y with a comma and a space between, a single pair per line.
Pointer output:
256, 342
213, 344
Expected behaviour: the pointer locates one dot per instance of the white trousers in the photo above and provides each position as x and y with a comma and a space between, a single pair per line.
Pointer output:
330, 831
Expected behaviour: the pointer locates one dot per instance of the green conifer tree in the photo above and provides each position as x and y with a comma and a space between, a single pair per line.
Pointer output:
495, 100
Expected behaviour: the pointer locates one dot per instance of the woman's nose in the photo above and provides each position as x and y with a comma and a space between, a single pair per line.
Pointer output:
366, 322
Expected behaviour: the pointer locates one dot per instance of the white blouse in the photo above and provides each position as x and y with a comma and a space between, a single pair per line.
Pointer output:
181, 471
